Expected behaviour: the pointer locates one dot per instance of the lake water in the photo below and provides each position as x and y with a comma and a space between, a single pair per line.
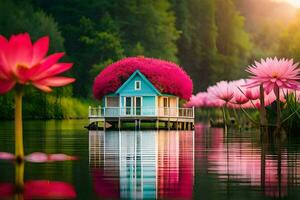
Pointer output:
202, 164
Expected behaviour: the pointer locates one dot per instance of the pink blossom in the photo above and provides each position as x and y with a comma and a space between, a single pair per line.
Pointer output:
269, 99
222, 91
252, 93
38, 157
166, 76
239, 96
24, 63
61, 157
204, 99
199, 100
6, 156
282, 73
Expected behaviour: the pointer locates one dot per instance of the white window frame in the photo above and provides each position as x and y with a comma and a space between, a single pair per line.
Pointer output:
135, 84
134, 98
131, 106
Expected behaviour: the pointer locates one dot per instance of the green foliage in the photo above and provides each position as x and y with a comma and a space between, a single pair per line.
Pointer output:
100, 44
265, 21
50, 106
148, 24
197, 44
289, 44
213, 44
97, 68
211, 39
25, 19
66, 108
233, 42
106, 31
38, 24
291, 114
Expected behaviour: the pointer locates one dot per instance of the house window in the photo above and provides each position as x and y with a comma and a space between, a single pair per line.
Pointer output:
137, 85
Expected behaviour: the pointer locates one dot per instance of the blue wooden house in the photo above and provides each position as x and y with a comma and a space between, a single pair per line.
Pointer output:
138, 99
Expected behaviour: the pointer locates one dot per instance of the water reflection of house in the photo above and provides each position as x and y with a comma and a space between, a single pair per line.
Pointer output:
149, 164
104, 163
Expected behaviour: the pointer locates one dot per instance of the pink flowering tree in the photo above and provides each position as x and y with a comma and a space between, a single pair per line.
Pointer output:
24, 63
166, 76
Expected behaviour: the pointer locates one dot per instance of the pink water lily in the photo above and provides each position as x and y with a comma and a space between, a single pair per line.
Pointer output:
239, 96
204, 99
24, 63
39, 157
6, 156
273, 73
222, 91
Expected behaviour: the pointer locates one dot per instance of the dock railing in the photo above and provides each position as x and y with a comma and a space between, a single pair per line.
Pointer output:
95, 112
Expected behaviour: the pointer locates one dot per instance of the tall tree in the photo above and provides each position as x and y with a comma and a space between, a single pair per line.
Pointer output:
197, 43
233, 42
213, 44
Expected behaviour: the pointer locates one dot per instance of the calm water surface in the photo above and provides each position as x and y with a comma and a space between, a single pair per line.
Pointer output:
201, 164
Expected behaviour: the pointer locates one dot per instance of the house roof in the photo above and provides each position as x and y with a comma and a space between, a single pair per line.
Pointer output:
166, 76
143, 78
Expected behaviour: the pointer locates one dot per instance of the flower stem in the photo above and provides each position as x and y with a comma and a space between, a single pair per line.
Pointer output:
262, 110
224, 117
236, 116
278, 108
19, 179
249, 117
19, 149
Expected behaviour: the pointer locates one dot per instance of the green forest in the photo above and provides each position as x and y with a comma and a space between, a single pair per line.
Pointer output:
211, 39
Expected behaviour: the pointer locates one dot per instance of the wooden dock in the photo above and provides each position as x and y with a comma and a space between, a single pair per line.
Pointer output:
136, 118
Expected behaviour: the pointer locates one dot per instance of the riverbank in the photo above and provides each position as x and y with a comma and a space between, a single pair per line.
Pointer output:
50, 107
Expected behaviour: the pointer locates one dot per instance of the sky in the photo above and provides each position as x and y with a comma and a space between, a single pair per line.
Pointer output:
295, 3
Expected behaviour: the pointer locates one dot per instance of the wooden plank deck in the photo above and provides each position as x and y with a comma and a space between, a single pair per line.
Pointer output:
176, 118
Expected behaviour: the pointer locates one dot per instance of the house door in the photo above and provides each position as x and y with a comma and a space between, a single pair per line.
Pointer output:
166, 106
128, 105
138, 105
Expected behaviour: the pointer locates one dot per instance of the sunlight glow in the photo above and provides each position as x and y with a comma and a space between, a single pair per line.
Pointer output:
295, 3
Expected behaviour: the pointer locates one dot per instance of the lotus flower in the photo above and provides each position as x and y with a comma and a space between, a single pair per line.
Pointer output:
6, 156
199, 100
38, 157
252, 93
282, 73
22, 62
204, 99
222, 91
239, 96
